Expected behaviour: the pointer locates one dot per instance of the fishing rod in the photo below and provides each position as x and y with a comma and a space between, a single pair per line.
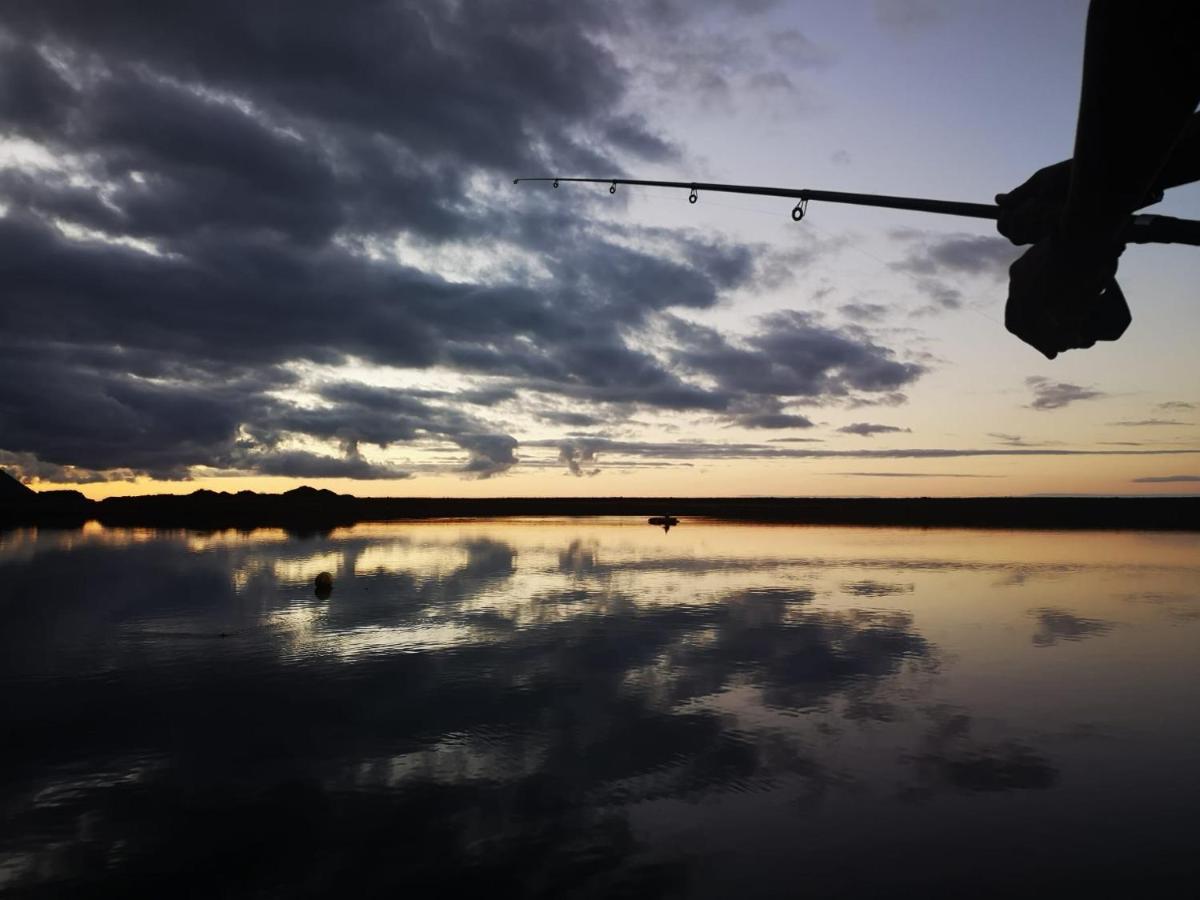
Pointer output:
1143, 228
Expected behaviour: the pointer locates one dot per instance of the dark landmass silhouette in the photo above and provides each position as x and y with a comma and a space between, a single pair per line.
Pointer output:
307, 510
13, 490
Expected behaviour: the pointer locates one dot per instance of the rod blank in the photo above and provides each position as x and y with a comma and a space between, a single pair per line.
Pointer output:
1143, 228
917, 204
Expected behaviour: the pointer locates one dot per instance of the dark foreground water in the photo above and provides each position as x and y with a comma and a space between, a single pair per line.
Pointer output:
596, 708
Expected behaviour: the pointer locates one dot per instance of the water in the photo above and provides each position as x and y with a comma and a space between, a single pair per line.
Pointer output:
596, 708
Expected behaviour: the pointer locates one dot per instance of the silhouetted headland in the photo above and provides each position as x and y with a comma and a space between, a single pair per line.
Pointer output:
307, 509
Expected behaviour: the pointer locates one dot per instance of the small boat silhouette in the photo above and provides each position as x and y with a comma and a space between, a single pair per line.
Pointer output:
665, 521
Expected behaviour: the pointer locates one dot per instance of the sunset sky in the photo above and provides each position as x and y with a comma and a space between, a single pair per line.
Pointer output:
257, 245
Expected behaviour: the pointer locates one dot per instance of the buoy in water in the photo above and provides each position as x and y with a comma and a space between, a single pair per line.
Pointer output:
324, 585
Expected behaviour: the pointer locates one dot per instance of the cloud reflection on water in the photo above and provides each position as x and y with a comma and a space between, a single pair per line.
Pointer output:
489, 708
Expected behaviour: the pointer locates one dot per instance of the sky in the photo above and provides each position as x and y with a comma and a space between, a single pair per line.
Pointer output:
252, 245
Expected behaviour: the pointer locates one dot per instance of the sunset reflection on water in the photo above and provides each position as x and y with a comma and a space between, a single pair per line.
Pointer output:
566, 707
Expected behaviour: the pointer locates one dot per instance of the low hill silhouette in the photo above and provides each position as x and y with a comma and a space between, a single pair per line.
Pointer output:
13, 490
306, 509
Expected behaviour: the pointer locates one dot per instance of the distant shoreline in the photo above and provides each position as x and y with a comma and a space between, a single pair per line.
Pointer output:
307, 510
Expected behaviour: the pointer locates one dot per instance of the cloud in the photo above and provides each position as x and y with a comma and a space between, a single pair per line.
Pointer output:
702, 54
1009, 440
799, 50
575, 457
174, 280
1168, 479
1173, 405
864, 312
1056, 394
1150, 422
934, 262
773, 420
301, 464
840, 157
595, 447
867, 429
954, 254
792, 355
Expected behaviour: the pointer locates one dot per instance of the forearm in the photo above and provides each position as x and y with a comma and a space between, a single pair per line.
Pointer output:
1141, 85
1184, 165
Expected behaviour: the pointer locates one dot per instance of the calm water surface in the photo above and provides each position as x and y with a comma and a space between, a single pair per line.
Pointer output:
596, 708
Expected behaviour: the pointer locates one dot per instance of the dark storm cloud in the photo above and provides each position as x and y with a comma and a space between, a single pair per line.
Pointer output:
253, 165
228, 175
792, 355
1057, 394
1168, 479
301, 464
868, 429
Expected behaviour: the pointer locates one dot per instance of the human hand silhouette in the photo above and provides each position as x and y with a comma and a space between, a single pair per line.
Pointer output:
1063, 295
1032, 210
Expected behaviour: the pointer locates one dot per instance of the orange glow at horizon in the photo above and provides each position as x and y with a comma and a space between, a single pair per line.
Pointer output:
956, 477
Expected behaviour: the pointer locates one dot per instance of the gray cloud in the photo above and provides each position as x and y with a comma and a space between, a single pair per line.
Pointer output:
934, 261
1057, 394
954, 254
1150, 422
210, 256
774, 420
575, 456
301, 464
864, 312
792, 355
1168, 479
868, 429
1009, 440
1176, 405
594, 447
